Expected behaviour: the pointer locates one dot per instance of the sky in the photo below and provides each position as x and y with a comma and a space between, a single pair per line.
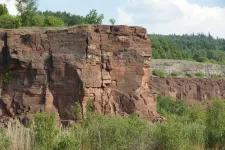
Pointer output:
158, 16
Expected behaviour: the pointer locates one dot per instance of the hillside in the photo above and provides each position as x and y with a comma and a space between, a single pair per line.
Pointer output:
200, 47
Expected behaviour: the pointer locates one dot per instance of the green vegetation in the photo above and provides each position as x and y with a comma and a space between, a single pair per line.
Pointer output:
3, 10
30, 16
200, 47
190, 75
112, 21
4, 140
175, 74
185, 128
8, 76
159, 73
8, 21
200, 75
93, 17
44, 131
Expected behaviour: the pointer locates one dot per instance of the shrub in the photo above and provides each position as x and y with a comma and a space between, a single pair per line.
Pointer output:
200, 75
90, 107
110, 132
177, 136
190, 75
202, 59
215, 125
169, 105
216, 76
76, 111
8, 76
175, 74
70, 138
8, 21
53, 21
159, 73
44, 130
5, 141
38, 20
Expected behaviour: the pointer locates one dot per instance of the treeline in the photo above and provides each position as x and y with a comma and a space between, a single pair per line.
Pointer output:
28, 15
194, 47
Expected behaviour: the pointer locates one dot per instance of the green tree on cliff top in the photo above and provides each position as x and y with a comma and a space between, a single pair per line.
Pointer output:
3, 10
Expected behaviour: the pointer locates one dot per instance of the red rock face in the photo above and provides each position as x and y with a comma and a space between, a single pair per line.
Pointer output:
54, 68
189, 89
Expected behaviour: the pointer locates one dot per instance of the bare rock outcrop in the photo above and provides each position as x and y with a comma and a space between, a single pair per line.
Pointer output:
51, 69
189, 88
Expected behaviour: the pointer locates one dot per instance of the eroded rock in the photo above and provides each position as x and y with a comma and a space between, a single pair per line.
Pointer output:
54, 68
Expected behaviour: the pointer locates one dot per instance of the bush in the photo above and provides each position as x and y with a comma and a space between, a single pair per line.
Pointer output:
190, 75
200, 75
53, 21
70, 139
169, 105
175, 74
108, 132
4, 140
176, 136
215, 125
202, 59
9, 22
44, 130
38, 20
159, 73
90, 107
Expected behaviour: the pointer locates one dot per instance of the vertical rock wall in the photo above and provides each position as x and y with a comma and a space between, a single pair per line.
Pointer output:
51, 69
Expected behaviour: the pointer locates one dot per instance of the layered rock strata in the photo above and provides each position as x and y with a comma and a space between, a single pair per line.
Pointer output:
45, 69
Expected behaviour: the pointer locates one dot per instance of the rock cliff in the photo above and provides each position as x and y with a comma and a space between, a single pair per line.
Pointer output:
189, 89
45, 69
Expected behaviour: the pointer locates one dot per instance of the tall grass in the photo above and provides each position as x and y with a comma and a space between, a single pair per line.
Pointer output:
186, 128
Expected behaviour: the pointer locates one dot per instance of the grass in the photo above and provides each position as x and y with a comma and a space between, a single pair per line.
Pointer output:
159, 73
186, 128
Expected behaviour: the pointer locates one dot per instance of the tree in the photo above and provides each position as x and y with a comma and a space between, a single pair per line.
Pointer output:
112, 21
38, 20
93, 17
53, 21
27, 10
3, 10
8, 21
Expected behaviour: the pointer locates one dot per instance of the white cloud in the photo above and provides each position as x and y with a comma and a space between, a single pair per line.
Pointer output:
10, 5
173, 16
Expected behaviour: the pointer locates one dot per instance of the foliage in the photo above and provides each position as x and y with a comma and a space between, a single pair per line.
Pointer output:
112, 21
53, 21
70, 138
93, 17
215, 124
171, 106
186, 128
202, 59
8, 21
108, 132
159, 73
38, 20
4, 140
76, 111
190, 75
8, 76
175, 74
3, 10
196, 47
68, 19
44, 130
90, 107
27, 10
200, 75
